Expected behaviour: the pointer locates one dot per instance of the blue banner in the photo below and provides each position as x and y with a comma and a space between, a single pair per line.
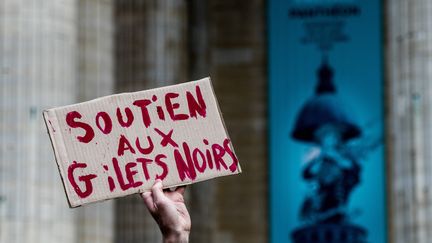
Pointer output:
327, 164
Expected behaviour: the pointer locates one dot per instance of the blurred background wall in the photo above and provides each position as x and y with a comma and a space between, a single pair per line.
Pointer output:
59, 52
409, 104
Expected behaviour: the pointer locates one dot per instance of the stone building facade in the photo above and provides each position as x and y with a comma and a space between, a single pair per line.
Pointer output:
408, 44
54, 53
58, 52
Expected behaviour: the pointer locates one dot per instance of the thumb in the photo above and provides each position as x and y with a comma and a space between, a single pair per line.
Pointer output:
148, 200
158, 195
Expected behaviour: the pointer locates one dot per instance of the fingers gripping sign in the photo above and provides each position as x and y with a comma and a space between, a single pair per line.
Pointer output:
169, 211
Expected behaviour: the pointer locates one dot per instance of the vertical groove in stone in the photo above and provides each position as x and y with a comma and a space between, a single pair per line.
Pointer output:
37, 71
202, 201
150, 51
409, 118
238, 68
151, 43
95, 222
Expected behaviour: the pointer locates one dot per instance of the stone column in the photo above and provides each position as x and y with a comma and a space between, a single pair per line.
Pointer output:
409, 106
37, 71
151, 51
95, 78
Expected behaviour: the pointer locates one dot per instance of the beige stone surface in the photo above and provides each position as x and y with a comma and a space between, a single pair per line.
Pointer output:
408, 46
37, 70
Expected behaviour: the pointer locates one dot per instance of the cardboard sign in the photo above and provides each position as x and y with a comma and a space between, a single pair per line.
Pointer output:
120, 144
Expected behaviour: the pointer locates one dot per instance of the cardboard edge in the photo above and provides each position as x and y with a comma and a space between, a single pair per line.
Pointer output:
50, 115
164, 187
127, 93
50, 118
239, 170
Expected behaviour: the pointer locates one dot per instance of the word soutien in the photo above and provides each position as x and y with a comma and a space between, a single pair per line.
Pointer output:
120, 144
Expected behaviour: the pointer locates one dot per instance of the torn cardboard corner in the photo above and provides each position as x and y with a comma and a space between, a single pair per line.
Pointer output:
119, 145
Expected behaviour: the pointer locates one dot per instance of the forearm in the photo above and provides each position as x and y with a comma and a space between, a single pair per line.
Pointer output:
180, 237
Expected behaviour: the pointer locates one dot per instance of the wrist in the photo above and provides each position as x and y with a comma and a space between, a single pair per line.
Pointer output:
176, 237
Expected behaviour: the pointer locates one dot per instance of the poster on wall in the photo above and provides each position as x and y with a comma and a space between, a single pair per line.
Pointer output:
327, 164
